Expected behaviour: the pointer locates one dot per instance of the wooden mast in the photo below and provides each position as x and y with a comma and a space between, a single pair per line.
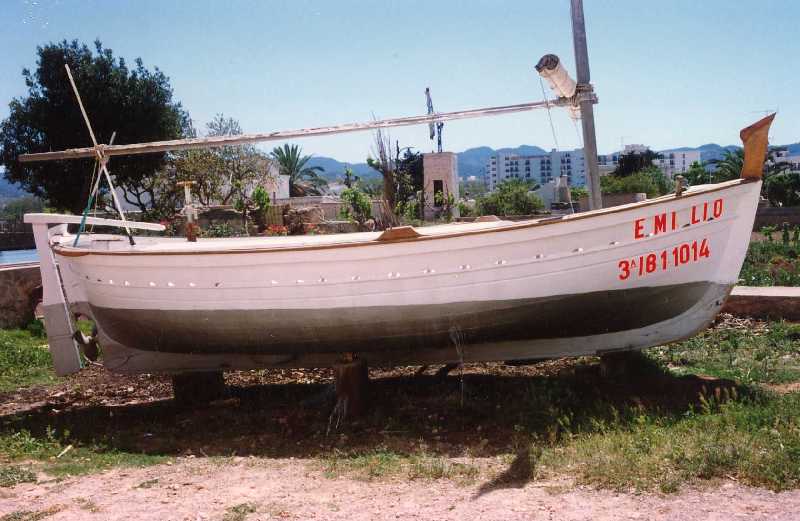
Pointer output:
586, 105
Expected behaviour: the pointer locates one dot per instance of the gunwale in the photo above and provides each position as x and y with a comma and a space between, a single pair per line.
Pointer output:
70, 251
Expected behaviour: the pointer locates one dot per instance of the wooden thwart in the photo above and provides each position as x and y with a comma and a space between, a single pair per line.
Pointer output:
399, 233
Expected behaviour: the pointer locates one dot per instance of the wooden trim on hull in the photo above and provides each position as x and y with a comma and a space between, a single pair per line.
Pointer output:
124, 359
67, 251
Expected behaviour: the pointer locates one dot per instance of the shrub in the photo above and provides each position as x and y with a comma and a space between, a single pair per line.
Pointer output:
357, 205
651, 181
576, 193
783, 189
512, 197
444, 203
219, 230
466, 210
409, 210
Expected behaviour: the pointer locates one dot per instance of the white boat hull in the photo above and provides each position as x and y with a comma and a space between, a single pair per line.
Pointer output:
622, 278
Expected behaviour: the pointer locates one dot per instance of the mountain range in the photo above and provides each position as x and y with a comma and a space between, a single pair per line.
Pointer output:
472, 160
8, 190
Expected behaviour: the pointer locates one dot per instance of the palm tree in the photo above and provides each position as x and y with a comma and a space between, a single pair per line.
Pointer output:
350, 178
303, 180
729, 167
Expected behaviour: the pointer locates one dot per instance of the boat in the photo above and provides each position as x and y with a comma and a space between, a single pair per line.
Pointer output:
606, 280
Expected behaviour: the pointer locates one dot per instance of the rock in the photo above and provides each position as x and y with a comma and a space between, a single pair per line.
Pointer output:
300, 220
328, 227
20, 292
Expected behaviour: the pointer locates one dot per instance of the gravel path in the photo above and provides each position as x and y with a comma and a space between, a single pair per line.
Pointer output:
194, 489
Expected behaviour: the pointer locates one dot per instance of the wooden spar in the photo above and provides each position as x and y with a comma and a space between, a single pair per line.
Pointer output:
80, 104
220, 141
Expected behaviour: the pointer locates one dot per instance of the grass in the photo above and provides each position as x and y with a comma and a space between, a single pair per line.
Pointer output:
31, 515
24, 359
771, 263
752, 435
756, 440
384, 463
11, 475
768, 354
240, 512
44, 452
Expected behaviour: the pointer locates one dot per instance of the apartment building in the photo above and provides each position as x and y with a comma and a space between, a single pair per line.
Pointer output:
540, 169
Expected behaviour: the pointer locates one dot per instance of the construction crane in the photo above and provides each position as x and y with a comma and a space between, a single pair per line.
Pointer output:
435, 128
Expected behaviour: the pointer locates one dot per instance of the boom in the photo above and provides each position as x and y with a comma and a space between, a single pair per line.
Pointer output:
221, 141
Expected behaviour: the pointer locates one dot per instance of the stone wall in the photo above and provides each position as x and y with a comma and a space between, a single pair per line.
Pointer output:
20, 291
768, 216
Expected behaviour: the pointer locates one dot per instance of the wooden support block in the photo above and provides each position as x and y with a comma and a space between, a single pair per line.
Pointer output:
617, 365
198, 388
352, 382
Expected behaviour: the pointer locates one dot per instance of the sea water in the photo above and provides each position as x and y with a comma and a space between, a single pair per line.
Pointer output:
16, 256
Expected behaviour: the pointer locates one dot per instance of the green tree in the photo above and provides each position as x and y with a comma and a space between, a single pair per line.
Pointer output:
633, 162
223, 174
512, 197
783, 189
729, 167
136, 103
16, 208
472, 189
697, 174
372, 187
409, 175
303, 180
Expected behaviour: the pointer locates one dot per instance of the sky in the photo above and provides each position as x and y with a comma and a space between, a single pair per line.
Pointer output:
667, 73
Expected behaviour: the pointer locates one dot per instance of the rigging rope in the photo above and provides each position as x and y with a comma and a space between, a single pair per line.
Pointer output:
549, 114
578, 134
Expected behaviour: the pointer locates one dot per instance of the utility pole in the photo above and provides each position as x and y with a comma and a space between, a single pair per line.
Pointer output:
587, 110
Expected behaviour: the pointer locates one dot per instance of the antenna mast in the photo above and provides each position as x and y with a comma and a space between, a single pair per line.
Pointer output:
435, 128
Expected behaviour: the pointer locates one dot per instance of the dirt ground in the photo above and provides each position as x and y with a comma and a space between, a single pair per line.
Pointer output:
259, 449
192, 489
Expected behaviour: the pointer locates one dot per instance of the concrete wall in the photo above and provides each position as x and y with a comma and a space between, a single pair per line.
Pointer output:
610, 200
331, 206
439, 167
277, 186
20, 291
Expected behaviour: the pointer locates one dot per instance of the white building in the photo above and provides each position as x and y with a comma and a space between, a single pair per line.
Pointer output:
540, 169
547, 167
672, 162
795, 162
781, 155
